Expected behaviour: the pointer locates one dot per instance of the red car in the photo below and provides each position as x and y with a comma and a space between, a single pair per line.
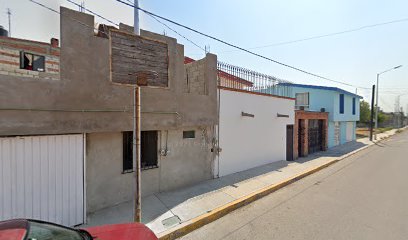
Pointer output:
27, 229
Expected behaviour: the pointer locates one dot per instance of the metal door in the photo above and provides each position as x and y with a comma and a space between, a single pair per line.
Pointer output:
301, 137
42, 178
289, 143
316, 131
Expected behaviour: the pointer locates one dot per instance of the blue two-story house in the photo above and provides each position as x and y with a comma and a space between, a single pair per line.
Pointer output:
343, 108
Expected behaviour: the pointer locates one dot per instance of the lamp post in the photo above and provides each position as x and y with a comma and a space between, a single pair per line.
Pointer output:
376, 95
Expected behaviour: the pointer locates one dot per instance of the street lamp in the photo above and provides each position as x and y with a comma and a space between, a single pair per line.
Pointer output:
376, 95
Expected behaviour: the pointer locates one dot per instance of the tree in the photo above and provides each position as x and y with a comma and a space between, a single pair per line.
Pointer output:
382, 117
365, 112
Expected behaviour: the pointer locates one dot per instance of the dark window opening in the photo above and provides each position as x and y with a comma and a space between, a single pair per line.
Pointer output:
127, 152
188, 134
148, 150
354, 106
32, 62
341, 103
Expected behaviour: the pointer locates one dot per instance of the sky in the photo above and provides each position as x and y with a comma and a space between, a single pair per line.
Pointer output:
354, 58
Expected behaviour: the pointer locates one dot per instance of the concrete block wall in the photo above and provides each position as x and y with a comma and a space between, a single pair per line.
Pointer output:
195, 80
86, 85
10, 58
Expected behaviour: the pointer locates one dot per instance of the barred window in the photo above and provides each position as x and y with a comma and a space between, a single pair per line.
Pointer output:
148, 150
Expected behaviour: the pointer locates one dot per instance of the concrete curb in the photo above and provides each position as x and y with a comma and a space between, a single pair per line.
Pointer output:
195, 223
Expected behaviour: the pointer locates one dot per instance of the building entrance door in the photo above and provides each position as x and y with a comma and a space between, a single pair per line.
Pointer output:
289, 142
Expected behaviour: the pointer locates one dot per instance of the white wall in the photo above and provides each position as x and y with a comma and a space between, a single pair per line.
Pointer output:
250, 142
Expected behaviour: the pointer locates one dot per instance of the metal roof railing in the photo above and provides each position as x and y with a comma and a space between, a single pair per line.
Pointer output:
238, 78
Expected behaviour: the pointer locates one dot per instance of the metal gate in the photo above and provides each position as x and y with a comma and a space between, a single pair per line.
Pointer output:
316, 135
42, 177
289, 142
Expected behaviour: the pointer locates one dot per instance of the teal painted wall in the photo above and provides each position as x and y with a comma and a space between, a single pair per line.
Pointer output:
331, 142
330, 100
317, 99
348, 108
343, 132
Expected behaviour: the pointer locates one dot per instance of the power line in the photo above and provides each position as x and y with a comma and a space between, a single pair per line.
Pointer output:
235, 46
76, 20
46, 7
330, 34
171, 29
108, 20
94, 13
177, 32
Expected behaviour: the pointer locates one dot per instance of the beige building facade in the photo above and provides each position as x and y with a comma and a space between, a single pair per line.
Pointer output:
73, 92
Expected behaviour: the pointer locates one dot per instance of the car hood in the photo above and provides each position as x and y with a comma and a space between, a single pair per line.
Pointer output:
125, 231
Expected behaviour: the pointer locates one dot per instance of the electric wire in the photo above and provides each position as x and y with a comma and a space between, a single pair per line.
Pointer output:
171, 29
76, 20
110, 21
238, 47
328, 35
94, 13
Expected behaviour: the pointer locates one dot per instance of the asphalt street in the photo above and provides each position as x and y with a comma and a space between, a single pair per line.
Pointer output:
364, 196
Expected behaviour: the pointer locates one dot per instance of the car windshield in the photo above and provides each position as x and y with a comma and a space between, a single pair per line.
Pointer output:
44, 231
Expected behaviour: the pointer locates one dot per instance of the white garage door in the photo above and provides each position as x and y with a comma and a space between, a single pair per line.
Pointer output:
41, 177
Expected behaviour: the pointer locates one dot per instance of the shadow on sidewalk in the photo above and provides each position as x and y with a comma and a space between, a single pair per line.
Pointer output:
337, 151
170, 204
174, 198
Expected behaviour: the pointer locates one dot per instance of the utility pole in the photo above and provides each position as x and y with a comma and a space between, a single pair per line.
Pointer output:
397, 104
406, 110
376, 103
9, 21
136, 131
136, 17
402, 118
372, 114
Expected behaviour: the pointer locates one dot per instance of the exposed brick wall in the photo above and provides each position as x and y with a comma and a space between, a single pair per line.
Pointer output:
10, 58
302, 118
195, 80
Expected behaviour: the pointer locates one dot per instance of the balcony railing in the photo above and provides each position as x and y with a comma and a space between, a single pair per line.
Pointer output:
238, 78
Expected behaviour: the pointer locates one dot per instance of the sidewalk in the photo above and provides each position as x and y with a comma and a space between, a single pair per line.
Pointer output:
168, 211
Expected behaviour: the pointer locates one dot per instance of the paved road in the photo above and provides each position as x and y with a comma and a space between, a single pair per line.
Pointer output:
362, 197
